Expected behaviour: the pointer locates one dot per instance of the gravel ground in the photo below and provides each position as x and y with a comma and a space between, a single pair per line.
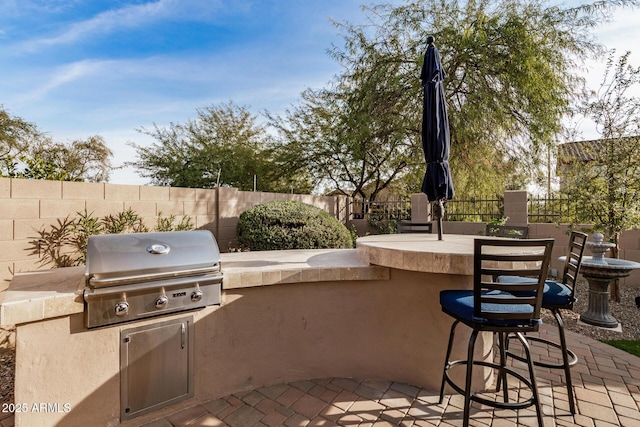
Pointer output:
7, 367
625, 311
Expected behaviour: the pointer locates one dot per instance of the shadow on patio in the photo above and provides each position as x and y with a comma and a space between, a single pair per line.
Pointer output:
606, 382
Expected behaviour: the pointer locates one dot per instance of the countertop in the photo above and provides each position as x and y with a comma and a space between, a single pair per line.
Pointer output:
35, 296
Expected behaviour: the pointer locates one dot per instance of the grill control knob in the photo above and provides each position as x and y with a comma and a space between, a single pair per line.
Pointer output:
196, 295
162, 301
121, 308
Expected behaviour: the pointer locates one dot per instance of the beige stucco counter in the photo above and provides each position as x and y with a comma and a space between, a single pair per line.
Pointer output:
419, 252
41, 295
285, 316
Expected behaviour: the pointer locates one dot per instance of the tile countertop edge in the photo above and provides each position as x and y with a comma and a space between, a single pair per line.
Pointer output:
250, 269
41, 295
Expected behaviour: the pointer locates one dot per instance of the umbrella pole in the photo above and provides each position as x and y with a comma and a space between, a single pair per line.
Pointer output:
438, 212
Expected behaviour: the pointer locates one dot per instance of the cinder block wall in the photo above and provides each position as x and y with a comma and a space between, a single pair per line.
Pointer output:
29, 205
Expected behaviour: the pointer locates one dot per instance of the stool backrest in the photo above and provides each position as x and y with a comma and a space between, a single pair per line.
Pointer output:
513, 258
577, 243
414, 227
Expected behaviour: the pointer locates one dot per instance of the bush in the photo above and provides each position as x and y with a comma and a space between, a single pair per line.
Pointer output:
290, 225
65, 244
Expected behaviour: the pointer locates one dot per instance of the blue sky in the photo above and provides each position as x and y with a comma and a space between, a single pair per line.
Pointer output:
78, 68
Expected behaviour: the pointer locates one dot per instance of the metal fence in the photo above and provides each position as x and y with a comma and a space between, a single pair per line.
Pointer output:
549, 209
474, 210
556, 209
387, 210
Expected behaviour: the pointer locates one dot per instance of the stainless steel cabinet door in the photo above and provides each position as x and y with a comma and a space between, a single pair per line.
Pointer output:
156, 363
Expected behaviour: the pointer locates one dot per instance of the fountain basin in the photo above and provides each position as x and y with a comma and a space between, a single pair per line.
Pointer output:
600, 273
612, 268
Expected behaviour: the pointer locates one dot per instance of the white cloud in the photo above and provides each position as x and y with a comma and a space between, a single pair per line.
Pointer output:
63, 75
130, 16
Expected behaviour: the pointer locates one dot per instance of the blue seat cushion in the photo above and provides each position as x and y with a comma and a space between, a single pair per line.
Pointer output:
460, 305
555, 293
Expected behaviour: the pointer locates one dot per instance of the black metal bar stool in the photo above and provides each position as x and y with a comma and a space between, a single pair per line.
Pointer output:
492, 307
557, 296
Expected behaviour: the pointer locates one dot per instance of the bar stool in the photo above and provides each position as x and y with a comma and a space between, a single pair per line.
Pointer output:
557, 296
492, 307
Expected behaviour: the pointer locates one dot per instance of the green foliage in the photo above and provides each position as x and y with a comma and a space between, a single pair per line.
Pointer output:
80, 160
630, 346
498, 221
382, 224
34, 167
224, 146
80, 229
26, 153
290, 225
16, 134
353, 231
606, 183
53, 246
383, 217
123, 222
511, 78
169, 223
64, 244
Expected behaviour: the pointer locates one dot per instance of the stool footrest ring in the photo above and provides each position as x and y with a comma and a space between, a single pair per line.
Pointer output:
573, 358
492, 403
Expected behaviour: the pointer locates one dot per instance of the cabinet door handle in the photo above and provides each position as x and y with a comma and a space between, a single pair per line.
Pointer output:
184, 332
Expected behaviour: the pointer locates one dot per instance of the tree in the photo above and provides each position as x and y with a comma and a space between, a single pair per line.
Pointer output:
607, 185
27, 153
36, 167
224, 146
81, 160
511, 78
343, 145
15, 135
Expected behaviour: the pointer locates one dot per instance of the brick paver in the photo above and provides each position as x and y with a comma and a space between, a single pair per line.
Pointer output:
606, 386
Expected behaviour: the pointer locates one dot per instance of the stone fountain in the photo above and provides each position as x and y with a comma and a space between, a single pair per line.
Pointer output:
600, 272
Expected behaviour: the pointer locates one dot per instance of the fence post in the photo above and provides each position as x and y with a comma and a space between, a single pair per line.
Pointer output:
420, 208
516, 207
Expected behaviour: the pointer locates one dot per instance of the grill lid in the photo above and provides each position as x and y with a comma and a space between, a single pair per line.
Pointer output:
117, 257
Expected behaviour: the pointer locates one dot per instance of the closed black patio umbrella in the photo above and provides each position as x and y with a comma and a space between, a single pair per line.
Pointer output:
437, 183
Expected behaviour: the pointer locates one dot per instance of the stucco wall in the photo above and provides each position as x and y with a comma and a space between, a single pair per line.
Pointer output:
29, 205
390, 329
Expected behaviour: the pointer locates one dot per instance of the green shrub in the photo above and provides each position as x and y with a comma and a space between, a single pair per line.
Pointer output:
65, 244
290, 225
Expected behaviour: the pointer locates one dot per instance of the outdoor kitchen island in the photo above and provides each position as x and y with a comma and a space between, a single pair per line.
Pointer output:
284, 316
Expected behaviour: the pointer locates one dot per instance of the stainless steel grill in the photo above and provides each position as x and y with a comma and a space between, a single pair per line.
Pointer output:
139, 275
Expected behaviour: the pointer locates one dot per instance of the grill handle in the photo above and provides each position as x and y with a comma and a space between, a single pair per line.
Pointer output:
151, 276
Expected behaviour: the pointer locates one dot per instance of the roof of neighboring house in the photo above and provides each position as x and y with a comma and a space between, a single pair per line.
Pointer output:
578, 150
583, 150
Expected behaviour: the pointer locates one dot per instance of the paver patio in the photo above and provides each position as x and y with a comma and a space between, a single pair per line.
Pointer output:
606, 382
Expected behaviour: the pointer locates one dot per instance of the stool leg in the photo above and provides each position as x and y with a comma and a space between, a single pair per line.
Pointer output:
532, 375
565, 360
502, 376
506, 348
467, 387
446, 359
